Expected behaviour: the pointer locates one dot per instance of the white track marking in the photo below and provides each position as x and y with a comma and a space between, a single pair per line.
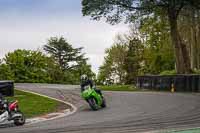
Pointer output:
59, 115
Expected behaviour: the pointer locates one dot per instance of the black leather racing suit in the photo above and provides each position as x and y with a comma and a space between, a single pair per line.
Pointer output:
89, 83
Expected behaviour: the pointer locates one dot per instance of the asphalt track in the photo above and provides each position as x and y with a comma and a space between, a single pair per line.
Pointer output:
126, 112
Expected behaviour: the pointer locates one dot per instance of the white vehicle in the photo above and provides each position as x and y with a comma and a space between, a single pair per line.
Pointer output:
10, 111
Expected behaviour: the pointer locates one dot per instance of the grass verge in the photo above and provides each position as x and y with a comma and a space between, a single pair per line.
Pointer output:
196, 130
118, 88
34, 105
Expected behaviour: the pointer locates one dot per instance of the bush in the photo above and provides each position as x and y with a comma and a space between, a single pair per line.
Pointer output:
118, 88
196, 71
168, 72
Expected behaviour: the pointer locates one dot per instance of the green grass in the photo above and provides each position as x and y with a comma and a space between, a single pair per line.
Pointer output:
118, 88
168, 72
197, 130
33, 105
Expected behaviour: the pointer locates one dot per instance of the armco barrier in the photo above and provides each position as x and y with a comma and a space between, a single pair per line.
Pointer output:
7, 88
186, 83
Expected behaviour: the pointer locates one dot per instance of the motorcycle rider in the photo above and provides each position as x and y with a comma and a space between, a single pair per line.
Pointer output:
85, 81
3, 103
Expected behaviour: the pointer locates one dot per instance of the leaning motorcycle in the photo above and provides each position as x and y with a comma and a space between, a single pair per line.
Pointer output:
94, 99
10, 111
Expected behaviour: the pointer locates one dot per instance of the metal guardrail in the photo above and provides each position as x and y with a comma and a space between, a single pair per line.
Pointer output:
182, 83
7, 88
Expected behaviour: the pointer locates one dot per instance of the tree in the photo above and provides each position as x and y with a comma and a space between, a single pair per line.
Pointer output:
5, 72
63, 53
69, 62
84, 68
27, 66
64, 65
133, 59
115, 10
123, 60
158, 52
73, 76
189, 27
112, 70
55, 73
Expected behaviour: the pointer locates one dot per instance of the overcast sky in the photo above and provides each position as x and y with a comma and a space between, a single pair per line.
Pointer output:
27, 24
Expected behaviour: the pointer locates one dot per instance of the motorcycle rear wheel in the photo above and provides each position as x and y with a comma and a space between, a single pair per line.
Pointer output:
103, 105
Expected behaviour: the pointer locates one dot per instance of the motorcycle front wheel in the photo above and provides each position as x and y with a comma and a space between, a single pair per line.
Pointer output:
20, 120
93, 104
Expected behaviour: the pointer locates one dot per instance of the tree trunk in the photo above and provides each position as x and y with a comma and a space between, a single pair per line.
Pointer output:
198, 46
194, 52
181, 53
194, 40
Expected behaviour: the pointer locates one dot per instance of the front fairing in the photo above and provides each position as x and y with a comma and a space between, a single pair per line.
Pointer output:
87, 93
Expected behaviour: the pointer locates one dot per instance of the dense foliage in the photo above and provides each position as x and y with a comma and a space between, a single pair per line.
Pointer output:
167, 31
139, 11
130, 56
122, 61
62, 64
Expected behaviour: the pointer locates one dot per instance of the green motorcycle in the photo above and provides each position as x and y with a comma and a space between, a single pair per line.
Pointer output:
95, 100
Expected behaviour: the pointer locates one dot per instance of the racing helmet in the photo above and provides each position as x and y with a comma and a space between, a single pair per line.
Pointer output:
84, 78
